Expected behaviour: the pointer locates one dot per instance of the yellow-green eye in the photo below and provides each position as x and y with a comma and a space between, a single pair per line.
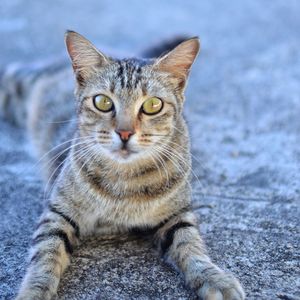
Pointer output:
152, 106
103, 103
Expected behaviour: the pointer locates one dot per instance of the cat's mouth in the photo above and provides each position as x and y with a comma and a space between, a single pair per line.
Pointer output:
124, 153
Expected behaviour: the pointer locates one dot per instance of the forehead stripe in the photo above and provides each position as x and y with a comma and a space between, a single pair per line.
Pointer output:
137, 75
129, 73
120, 74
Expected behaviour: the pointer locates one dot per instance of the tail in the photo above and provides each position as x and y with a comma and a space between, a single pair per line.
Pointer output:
163, 47
16, 82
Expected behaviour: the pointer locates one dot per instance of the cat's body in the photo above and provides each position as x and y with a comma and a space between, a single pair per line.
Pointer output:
120, 164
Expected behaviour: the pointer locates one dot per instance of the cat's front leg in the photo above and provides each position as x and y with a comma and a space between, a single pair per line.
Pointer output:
52, 245
180, 242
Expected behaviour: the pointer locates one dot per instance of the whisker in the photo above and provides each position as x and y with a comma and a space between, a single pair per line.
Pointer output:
175, 153
53, 159
193, 156
163, 165
180, 169
102, 142
144, 140
47, 190
44, 156
57, 146
156, 165
150, 134
61, 122
97, 131
90, 150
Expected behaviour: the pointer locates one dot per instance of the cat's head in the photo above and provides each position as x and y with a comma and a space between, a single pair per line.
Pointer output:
129, 107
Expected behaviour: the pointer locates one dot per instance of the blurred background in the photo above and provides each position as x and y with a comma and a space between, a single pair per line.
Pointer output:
31, 29
243, 105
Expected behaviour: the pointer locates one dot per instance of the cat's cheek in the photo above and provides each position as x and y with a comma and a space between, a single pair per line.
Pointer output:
133, 142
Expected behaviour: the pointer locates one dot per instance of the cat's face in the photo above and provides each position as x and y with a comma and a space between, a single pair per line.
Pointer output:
129, 108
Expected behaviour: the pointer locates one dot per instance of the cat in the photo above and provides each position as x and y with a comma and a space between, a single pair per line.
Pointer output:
120, 164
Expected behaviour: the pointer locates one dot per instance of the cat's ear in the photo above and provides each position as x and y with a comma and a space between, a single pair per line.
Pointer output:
84, 55
178, 61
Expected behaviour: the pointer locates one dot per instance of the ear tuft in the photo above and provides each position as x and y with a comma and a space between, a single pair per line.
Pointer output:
84, 55
178, 61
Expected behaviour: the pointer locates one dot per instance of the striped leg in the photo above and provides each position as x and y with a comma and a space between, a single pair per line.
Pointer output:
52, 246
180, 242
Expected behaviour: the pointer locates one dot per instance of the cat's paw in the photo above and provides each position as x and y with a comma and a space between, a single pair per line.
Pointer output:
36, 295
221, 286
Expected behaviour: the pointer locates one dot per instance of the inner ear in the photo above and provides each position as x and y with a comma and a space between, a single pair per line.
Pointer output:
178, 61
84, 55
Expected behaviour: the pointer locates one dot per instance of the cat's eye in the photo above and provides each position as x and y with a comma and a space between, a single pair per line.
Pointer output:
103, 103
152, 106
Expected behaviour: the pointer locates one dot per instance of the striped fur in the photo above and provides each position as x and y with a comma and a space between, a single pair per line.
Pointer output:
99, 185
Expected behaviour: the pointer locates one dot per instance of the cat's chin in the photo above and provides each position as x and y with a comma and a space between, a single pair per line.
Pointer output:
124, 155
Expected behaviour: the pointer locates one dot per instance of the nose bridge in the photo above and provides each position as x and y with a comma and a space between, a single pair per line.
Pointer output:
125, 121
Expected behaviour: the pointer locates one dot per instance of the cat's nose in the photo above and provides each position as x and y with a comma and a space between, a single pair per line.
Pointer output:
124, 134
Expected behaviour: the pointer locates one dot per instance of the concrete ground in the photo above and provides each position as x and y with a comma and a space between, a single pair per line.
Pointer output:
243, 107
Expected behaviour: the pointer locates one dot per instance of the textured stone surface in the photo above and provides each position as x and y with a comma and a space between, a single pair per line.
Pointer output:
243, 111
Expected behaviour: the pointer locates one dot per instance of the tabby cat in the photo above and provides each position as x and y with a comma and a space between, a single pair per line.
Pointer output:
121, 164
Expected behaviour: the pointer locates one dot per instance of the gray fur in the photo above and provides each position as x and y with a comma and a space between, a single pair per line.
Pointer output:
96, 188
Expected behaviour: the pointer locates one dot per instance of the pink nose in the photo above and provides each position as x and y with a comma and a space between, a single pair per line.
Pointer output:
124, 134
